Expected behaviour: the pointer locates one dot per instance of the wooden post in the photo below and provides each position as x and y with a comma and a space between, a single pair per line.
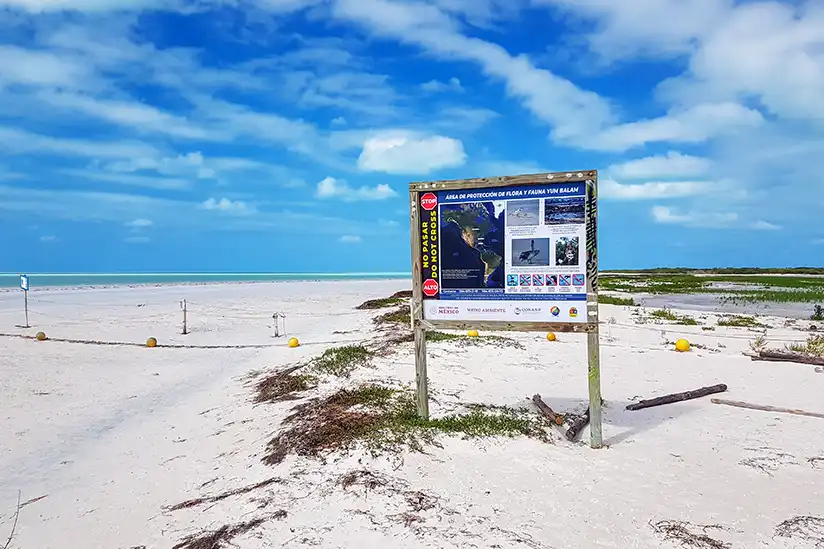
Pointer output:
594, 374
276, 325
26, 306
185, 327
416, 306
593, 337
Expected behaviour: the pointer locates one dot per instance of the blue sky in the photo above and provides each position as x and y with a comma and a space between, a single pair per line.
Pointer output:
281, 135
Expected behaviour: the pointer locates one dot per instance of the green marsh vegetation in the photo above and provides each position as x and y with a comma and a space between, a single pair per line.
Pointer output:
743, 289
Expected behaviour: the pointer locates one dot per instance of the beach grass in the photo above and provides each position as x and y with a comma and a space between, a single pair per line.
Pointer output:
739, 321
668, 315
342, 361
614, 300
385, 419
814, 346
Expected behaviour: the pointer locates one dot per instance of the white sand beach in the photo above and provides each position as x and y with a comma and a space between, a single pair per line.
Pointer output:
102, 440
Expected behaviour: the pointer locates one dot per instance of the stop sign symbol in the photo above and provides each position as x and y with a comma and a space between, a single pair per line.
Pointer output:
430, 288
428, 203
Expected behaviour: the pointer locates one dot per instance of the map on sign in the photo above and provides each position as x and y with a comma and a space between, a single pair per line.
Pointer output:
505, 253
474, 232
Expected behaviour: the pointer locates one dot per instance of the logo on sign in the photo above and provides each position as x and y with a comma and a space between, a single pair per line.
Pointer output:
573, 312
555, 311
537, 280
429, 201
430, 288
511, 280
527, 310
526, 280
563, 280
551, 280
577, 280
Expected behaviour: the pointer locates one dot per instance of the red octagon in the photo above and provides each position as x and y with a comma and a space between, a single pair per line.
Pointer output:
429, 201
430, 288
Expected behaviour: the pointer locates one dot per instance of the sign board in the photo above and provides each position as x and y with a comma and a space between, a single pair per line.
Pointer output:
507, 253
24, 283
514, 253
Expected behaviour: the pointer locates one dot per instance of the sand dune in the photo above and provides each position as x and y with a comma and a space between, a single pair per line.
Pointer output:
123, 446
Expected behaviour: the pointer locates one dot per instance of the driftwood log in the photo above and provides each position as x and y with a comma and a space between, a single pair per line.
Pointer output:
677, 397
557, 419
577, 426
787, 356
764, 408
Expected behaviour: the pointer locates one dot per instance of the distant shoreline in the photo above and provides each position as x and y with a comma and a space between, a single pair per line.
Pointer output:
77, 281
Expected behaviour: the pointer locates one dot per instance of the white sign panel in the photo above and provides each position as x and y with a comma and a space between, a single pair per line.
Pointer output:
24, 282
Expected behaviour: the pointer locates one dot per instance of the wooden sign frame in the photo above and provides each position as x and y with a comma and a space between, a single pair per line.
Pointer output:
590, 326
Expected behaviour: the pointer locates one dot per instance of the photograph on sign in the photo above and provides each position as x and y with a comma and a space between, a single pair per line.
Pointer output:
505, 254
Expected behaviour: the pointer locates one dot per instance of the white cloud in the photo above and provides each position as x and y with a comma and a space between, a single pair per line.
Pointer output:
673, 164
146, 181
610, 189
48, 238
139, 223
453, 84
818, 241
649, 28
350, 239
570, 110
768, 51
692, 125
410, 154
338, 121
131, 114
42, 68
765, 226
23, 142
226, 205
329, 187
41, 6
704, 219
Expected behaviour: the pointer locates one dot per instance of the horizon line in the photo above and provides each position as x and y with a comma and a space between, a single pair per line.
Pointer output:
212, 274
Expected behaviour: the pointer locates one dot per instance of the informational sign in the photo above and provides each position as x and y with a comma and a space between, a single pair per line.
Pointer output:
510, 254
24, 283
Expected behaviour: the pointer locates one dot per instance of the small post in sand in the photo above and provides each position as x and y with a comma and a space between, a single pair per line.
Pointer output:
24, 285
183, 306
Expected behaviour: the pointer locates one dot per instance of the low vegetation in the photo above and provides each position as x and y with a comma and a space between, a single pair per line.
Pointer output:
612, 300
342, 361
736, 321
814, 346
818, 313
751, 288
401, 315
381, 303
385, 419
668, 315
283, 385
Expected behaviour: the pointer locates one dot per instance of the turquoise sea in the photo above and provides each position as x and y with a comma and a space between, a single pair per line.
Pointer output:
51, 280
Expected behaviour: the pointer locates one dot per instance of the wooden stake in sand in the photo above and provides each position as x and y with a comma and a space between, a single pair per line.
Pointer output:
557, 419
764, 408
677, 397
